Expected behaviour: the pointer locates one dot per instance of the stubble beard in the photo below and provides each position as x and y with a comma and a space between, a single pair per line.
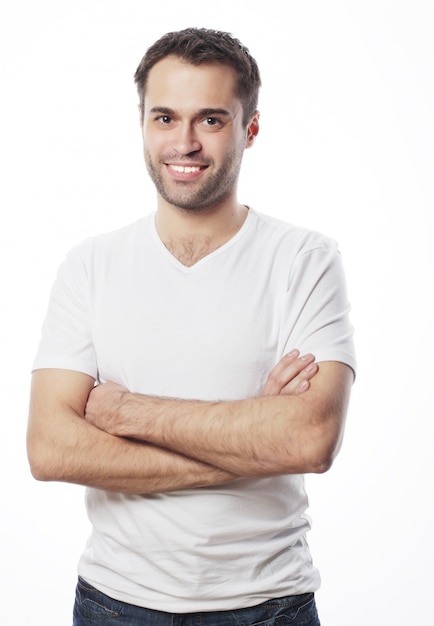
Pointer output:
217, 187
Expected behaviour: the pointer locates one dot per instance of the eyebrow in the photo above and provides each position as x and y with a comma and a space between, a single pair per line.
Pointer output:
200, 113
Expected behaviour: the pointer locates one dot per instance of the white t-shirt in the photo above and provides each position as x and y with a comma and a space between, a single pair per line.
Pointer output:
123, 309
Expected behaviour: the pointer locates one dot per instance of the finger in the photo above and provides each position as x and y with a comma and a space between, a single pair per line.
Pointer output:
291, 365
286, 370
273, 383
301, 383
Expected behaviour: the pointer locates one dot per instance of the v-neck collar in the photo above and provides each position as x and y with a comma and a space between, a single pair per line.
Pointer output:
208, 257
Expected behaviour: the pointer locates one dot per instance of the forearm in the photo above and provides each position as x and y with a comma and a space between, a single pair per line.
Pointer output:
84, 455
253, 437
63, 446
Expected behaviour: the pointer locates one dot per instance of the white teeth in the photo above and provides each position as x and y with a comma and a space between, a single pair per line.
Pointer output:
185, 170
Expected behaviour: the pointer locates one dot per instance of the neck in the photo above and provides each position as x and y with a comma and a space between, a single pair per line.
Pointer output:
190, 236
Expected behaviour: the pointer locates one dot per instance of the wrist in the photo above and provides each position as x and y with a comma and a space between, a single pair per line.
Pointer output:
132, 411
124, 414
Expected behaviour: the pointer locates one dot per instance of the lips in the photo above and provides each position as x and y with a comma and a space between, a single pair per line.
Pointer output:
185, 172
185, 169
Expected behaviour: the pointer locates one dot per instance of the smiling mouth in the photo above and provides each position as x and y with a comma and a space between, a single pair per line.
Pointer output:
187, 169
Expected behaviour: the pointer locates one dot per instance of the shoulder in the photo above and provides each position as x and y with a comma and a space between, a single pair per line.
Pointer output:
279, 234
108, 245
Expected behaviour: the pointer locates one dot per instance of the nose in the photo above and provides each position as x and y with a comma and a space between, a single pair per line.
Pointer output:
185, 140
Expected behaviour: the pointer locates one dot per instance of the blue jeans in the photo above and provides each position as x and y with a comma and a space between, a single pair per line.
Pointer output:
93, 607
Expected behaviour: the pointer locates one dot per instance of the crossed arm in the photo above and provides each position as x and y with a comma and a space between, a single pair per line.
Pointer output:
108, 438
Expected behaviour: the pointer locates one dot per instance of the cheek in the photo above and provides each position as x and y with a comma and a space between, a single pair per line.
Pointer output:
152, 139
221, 147
154, 149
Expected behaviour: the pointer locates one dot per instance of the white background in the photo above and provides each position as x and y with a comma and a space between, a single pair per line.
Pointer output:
346, 147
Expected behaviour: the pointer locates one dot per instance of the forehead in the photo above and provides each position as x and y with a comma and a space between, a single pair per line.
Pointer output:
175, 83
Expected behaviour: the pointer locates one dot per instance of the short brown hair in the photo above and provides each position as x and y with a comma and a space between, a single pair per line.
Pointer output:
203, 45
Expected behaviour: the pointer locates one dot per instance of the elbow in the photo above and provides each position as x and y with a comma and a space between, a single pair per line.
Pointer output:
36, 463
310, 460
313, 452
321, 465
318, 461
37, 470
326, 445
40, 459
38, 473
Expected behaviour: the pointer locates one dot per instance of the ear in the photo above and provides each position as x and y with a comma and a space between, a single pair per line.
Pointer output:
141, 112
252, 130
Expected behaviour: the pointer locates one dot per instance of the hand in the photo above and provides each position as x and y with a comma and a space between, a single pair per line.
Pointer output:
102, 407
292, 375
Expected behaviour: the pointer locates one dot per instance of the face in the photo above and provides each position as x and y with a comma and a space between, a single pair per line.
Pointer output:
193, 134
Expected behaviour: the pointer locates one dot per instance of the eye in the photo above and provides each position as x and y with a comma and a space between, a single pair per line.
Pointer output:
212, 123
164, 119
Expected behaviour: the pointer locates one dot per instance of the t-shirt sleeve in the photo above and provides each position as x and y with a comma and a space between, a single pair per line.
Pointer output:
316, 309
66, 340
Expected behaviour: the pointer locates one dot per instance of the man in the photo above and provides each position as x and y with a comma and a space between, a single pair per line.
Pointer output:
199, 324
